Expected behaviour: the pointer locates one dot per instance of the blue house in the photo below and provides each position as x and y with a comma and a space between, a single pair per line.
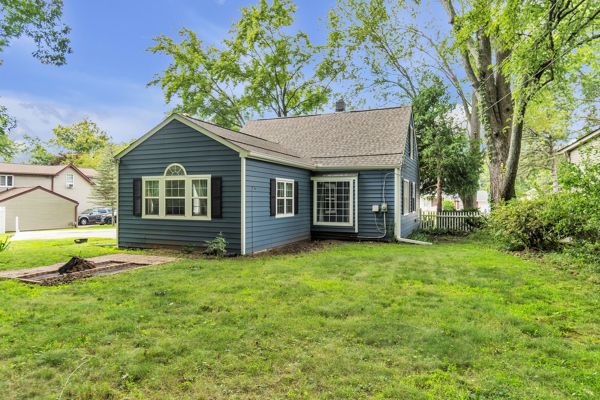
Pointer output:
350, 175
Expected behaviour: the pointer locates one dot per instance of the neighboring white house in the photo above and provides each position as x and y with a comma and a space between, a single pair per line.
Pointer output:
586, 146
44, 196
483, 204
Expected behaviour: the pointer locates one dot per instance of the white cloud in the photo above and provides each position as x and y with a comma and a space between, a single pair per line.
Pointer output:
36, 116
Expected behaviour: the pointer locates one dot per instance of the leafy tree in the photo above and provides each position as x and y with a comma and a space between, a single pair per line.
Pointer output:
448, 163
382, 50
7, 123
40, 21
38, 152
546, 126
511, 50
104, 190
79, 144
259, 68
81, 137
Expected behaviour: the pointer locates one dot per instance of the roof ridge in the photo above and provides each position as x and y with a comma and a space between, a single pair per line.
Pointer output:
328, 114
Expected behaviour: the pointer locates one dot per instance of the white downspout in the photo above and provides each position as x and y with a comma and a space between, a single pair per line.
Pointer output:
243, 206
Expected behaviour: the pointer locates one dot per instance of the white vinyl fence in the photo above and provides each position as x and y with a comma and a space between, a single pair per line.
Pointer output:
454, 221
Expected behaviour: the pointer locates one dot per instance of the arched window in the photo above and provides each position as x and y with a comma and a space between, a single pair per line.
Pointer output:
176, 195
175, 170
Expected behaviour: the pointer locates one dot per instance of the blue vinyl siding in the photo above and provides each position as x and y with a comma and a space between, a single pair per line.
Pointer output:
264, 231
177, 143
410, 171
370, 185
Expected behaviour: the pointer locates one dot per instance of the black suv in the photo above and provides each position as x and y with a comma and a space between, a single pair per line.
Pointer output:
96, 215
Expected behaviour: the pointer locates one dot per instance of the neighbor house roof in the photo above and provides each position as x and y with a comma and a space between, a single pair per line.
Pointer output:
370, 138
582, 140
341, 139
16, 192
44, 170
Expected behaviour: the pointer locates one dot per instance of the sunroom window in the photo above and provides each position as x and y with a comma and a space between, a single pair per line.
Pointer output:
334, 201
176, 195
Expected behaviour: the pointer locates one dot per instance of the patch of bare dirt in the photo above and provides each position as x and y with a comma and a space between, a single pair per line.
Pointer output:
76, 264
298, 247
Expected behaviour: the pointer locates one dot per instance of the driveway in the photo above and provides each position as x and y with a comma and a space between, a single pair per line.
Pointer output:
109, 233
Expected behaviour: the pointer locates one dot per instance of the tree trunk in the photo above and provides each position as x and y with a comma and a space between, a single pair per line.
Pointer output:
469, 200
438, 188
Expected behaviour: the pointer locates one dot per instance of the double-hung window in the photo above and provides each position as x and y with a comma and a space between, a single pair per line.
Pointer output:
284, 197
409, 197
176, 195
151, 197
70, 180
6, 181
333, 201
199, 197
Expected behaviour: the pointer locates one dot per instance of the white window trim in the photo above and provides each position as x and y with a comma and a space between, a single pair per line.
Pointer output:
352, 181
6, 180
175, 165
414, 197
70, 181
288, 213
188, 197
405, 197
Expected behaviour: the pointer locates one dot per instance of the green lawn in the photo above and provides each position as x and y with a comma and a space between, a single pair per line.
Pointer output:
29, 253
454, 320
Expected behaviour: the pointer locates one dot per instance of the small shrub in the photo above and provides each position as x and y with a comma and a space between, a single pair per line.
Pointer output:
217, 246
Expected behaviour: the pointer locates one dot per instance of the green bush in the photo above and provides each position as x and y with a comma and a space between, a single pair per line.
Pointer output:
525, 224
569, 218
217, 246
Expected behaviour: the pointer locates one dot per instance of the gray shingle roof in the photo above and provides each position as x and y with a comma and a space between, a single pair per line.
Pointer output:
342, 139
250, 143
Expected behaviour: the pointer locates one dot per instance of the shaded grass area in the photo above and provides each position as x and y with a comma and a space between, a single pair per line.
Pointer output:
453, 320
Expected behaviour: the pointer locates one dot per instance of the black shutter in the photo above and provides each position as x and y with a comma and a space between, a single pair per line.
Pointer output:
216, 203
137, 197
273, 201
296, 199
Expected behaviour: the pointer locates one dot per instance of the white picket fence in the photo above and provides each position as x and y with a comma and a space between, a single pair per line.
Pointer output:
454, 221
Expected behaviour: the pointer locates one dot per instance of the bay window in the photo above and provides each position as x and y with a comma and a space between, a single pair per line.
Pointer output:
176, 195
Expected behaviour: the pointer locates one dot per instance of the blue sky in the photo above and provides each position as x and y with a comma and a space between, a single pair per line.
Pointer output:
105, 78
